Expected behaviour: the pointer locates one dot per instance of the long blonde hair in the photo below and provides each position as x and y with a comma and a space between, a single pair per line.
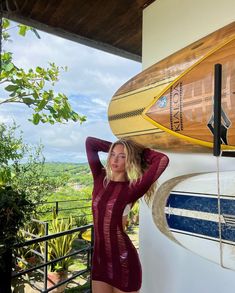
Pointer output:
135, 164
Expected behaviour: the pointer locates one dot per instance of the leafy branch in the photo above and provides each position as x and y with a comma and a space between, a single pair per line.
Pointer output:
31, 87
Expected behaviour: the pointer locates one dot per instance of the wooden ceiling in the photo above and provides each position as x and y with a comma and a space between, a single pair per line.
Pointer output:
114, 26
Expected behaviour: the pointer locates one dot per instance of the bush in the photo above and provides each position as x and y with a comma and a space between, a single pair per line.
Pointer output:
15, 209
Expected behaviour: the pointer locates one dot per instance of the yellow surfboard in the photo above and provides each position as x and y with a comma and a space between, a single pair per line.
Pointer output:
170, 104
185, 107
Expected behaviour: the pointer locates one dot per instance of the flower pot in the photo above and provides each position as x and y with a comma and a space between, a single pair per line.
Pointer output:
32, 260
54, 278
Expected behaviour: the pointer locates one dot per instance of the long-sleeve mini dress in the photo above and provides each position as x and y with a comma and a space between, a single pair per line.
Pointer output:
115, 259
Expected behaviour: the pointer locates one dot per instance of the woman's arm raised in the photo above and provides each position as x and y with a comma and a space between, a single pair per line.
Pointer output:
157, 163
93, 146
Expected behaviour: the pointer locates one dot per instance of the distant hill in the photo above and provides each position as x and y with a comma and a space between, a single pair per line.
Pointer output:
59, 167
74, 173
74, 192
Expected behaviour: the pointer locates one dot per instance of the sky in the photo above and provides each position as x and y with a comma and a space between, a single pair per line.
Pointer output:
92, 78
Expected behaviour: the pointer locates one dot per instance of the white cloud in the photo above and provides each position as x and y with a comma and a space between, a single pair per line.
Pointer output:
100, 102
7, 119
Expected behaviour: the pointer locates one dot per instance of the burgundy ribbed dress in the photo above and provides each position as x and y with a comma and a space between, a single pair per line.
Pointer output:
115, 259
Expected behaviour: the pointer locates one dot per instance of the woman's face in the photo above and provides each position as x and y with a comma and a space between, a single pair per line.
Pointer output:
117, 159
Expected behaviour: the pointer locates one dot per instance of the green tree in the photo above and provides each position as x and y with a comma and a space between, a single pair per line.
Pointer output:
22, 166
15, 210
31, 87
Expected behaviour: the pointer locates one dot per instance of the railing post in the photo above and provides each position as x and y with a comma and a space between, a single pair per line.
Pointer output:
45, 257
5, 284
91, 252
56, 208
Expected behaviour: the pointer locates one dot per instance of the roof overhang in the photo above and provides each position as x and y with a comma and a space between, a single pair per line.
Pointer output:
114, 26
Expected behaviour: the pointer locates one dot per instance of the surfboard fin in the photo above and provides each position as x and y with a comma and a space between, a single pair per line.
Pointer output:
223, 133
225, 124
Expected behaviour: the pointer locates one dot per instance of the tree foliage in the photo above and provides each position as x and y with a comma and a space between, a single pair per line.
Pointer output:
22, 166
15, 210
31, 87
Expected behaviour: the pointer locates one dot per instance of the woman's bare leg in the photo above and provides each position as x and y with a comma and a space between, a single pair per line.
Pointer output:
115, 290
101, 287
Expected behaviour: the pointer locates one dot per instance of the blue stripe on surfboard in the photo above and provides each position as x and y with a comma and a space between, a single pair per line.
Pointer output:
204, 237
201, 203
201, 227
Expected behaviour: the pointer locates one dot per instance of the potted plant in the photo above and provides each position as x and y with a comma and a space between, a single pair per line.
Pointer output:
58, 247
27, 256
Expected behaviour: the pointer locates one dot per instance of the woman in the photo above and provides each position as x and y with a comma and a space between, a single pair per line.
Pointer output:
115, 266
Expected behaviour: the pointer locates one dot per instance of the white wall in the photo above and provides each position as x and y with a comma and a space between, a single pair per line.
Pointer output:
169, 25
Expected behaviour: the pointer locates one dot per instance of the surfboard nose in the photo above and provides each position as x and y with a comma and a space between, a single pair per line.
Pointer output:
185, 108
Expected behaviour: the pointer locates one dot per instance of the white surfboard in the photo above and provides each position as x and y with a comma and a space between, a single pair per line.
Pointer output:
189, 211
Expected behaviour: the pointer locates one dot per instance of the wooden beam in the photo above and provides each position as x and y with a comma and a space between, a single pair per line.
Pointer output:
71, 36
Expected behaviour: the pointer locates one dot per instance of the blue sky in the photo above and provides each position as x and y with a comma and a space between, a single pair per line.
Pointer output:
92, 78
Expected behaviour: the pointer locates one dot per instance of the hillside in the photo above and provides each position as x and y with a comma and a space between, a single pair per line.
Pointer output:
73, 173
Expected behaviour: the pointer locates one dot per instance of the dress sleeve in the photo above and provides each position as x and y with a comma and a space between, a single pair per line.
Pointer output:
93, 146
157, 163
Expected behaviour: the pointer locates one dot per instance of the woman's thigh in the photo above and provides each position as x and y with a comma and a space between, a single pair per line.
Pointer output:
101, 287
115, 290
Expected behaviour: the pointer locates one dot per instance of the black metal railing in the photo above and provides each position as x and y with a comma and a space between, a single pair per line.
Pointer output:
86, 249
60, 206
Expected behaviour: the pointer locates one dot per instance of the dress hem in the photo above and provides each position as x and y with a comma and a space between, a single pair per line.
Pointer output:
115, 285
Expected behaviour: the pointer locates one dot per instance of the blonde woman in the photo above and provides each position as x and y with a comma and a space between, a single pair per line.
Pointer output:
130, 172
